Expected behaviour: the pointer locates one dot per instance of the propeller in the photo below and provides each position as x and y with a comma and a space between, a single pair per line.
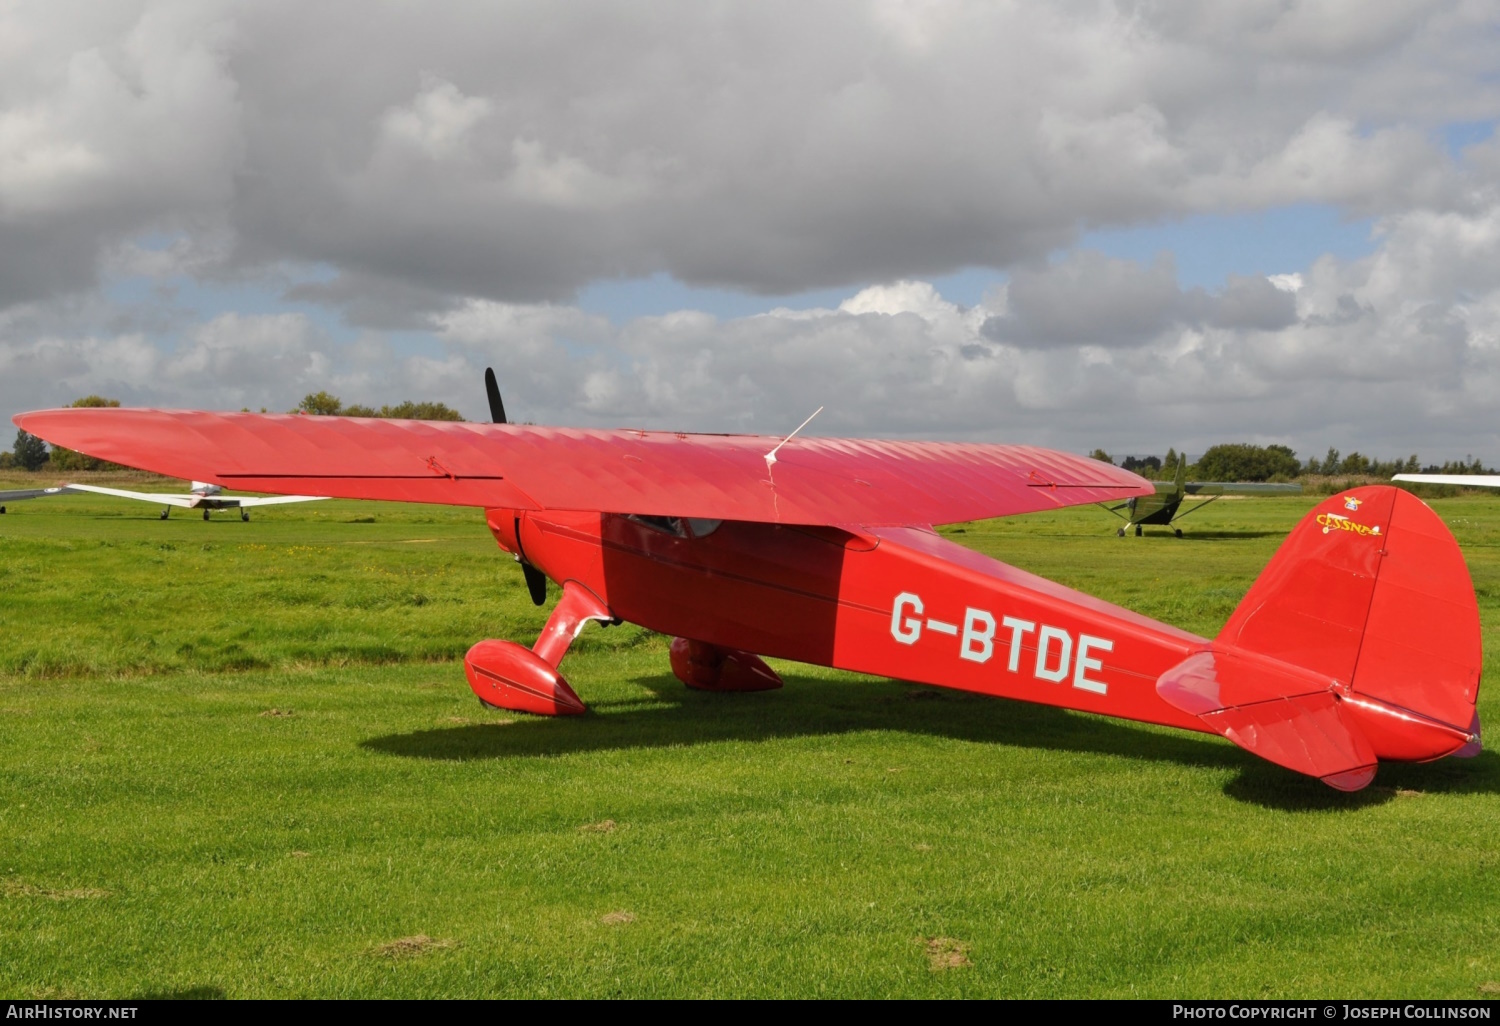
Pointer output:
492, 389
536, 581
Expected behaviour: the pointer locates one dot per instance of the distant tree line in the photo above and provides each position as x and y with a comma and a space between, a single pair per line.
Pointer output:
1241, 461
322, 404
31, 453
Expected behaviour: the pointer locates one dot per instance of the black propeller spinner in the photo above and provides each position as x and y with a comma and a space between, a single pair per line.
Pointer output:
536, 581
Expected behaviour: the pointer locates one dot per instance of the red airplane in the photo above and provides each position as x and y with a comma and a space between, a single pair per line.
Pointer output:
1359, 642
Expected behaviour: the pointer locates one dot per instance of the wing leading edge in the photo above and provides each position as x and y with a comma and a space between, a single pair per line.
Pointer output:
813, 481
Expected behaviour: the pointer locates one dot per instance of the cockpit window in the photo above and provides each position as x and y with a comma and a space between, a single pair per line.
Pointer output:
680, 526
671, 525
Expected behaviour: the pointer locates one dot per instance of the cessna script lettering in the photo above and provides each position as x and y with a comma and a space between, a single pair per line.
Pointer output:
1059, 655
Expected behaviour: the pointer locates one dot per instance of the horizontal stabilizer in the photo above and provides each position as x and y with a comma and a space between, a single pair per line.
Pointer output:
1281, 713
1307, 733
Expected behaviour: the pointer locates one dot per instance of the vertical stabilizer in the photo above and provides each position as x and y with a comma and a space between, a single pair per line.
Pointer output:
1359, 642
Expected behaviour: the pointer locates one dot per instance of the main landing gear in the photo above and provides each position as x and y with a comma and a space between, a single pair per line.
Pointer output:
708, 667
507, 676
205, 514
245, 516
165, 512
504, 675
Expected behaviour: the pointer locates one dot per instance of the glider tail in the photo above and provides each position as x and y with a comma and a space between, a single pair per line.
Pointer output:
1359, 642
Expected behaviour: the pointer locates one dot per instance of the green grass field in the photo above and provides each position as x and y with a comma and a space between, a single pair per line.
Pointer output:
241, 759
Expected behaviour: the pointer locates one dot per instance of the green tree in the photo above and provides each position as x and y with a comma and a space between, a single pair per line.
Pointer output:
424, 411
1245, 462
1101, 456
69, 459
320, 404
1354, 463
30, 452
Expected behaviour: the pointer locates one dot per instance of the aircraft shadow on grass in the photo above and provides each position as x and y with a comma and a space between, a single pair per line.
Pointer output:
809, 706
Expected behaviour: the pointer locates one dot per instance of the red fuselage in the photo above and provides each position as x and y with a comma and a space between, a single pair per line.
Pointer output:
894, 602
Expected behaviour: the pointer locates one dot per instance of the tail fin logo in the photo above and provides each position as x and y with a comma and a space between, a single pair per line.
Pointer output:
1336, 522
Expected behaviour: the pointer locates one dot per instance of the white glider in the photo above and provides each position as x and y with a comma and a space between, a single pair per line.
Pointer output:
204, 496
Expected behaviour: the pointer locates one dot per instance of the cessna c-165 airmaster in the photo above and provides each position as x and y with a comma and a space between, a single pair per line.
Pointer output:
1359, 642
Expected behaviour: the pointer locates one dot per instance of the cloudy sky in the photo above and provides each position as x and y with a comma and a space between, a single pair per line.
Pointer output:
1128, 225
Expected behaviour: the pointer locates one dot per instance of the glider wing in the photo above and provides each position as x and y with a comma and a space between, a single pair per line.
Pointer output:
270, 500
660, 473
33, 493
1463, 480
192, 501
185, 501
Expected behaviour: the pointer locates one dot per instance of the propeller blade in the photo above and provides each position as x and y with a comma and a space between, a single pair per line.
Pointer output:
497, 408
536, 581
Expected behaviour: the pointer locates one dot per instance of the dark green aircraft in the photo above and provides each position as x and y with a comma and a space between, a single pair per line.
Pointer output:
1164, 508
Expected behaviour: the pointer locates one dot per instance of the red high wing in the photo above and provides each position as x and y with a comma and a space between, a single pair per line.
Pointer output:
820, 481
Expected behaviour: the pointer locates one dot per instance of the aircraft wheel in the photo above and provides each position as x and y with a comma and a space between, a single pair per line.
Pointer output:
205, 514
1120, 533
2, 510
1177, 531
1137, 530
164, 514
245, 515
